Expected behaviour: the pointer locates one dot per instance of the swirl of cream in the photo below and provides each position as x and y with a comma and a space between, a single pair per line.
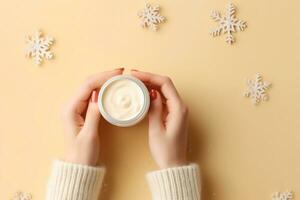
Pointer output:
123, 99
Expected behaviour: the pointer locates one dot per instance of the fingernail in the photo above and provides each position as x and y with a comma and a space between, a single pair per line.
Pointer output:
153, 94
120, 68
94, 96
134, 70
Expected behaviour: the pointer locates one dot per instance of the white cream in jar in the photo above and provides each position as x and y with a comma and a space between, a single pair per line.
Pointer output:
123, 100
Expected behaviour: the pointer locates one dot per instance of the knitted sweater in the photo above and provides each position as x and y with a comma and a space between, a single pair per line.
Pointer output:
78, 182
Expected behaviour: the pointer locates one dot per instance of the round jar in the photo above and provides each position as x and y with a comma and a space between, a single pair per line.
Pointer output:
123, 100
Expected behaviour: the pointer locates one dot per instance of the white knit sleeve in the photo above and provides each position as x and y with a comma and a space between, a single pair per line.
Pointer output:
178, 183
74, 182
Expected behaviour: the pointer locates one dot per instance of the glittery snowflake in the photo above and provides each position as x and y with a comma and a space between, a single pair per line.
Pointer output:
283, 195
150, 17
38, 47
228, 24
257, 89
22, 196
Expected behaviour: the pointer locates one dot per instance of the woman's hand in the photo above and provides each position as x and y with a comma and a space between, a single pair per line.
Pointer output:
167, 121
81, 119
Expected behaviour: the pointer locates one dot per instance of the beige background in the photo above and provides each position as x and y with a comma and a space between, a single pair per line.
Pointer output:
245, 152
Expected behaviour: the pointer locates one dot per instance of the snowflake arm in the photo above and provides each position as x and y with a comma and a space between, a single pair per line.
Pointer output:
38, 47
150, 17
216, 31
241, 25
229, 38
230, 10
215, 15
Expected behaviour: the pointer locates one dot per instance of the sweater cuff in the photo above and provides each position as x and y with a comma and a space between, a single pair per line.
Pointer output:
175, 183
74, 182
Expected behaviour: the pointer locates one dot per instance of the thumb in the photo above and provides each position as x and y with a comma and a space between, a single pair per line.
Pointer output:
92, 117
155, 113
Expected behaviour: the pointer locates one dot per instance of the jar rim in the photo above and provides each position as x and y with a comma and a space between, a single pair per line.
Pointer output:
132, 121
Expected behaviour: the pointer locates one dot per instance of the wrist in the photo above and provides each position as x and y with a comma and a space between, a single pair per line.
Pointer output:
75, 159
173, 164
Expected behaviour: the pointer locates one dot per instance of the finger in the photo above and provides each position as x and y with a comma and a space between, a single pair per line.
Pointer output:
151, 87
92, 117
156, 124
164, 83
80, 101
95, 82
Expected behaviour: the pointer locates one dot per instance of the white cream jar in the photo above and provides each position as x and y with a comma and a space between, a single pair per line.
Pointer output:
123, 100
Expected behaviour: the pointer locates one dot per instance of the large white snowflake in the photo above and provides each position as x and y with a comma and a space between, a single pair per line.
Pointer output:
38, 47
150, 17
283, 195
228, 24
257, 89
22, 196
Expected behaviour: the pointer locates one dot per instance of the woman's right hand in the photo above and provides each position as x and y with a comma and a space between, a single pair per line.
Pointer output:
81, 120
167, 121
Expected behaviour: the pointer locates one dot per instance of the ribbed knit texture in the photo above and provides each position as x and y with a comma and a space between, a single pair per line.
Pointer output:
178, 183
74, 182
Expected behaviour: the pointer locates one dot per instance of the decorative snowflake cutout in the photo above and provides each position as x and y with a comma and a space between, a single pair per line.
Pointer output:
283, 195
38, 47
22, 196
257, 89
150, 17
228, 23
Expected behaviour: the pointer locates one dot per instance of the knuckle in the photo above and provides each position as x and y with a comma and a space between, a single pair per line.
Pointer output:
88, 84
167, 79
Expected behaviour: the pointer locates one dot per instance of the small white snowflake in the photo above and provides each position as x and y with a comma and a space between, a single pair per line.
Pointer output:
38, 47
283, 195
257, 89
22, 196
228, 23
150, 17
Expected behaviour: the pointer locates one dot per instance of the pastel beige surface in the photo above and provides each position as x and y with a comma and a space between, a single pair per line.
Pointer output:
244, 152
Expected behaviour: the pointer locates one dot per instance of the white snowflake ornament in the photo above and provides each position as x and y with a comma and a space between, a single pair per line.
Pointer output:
257, 89
150, 17
38, 47
283, 195
228, 24
22, 196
